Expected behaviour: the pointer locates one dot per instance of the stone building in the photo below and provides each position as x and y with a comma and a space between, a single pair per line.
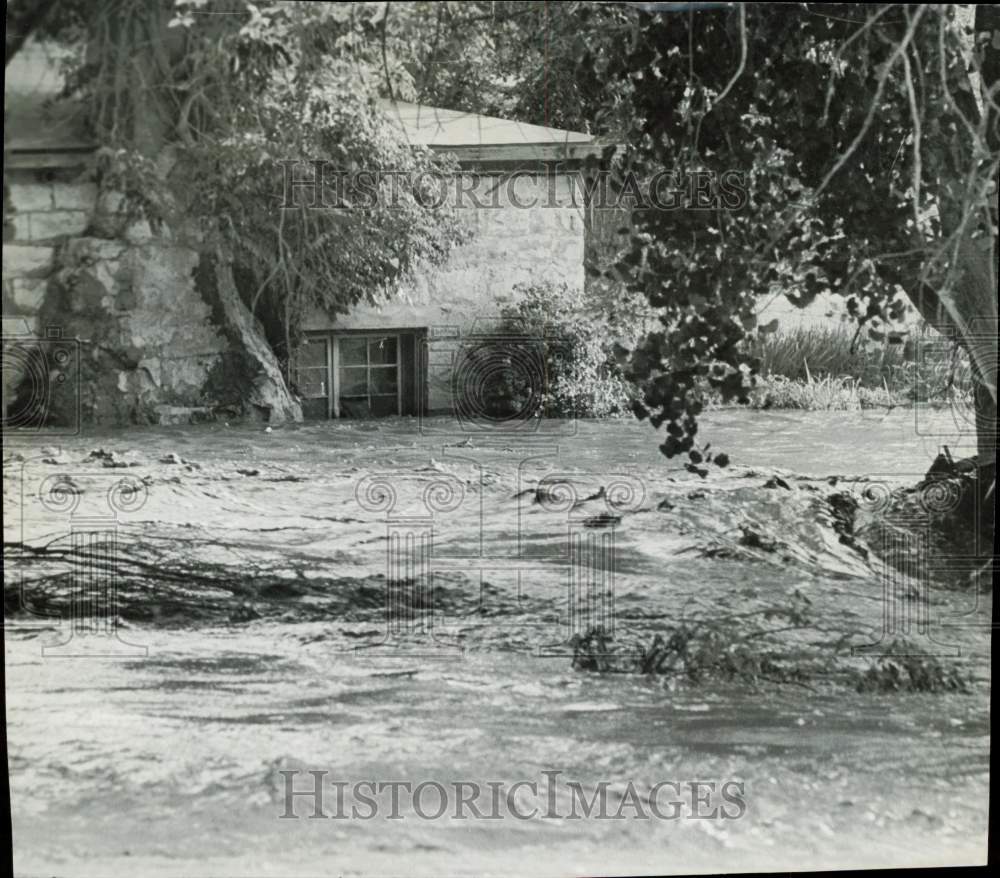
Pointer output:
104, 320
519, 196
149, 330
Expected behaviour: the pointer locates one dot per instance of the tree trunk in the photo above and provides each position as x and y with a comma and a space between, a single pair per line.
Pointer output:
969, 306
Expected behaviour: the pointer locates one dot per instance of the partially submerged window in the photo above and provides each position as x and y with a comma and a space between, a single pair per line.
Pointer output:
311, 377
370, 384
360, 374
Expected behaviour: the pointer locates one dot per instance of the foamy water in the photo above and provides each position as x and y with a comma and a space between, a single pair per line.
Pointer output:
259, 598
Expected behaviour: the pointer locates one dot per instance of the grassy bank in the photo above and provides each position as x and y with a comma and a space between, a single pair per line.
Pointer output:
823, 369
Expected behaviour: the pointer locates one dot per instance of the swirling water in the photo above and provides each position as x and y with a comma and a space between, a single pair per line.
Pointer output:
270, 650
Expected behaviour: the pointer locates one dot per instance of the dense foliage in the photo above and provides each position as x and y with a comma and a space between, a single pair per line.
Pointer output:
865, 139
580, 375
516, 59
868, 165
205, 109
864, 136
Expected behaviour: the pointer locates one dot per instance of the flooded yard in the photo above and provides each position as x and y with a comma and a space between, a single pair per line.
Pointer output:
395, 601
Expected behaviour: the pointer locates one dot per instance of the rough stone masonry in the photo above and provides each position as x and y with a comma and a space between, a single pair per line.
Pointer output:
159, 329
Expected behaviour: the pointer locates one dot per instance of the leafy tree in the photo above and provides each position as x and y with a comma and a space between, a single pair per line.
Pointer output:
869, 155
866, 137
517, 59
205, 109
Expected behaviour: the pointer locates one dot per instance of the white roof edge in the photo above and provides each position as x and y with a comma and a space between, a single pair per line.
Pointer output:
434, 126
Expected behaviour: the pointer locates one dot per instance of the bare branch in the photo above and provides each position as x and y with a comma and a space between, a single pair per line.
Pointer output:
743, 59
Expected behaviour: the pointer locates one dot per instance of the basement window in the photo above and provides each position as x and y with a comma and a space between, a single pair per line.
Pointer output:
311, 377
364, 374
369, 383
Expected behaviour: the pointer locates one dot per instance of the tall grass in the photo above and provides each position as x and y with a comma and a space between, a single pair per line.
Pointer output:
823, 368
801, 353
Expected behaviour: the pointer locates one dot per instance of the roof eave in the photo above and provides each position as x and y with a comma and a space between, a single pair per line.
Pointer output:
48, 157
506, 154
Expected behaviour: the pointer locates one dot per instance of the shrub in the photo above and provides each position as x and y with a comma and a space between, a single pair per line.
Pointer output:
749, 648
746, 647
911, 673
582, 376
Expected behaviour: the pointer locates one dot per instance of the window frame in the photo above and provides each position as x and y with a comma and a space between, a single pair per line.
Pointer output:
405, 383
369, 336
325, 368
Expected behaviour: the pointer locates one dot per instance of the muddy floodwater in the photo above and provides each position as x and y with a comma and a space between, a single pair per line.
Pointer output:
392, 601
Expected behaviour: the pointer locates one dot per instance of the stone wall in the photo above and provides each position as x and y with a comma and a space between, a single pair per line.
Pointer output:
509, 245
145, 329
40, 209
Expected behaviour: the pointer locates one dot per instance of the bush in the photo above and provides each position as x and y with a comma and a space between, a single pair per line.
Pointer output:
911, 673
582, 377
745, 647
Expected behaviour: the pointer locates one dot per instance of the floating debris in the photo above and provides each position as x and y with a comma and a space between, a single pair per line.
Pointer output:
600, 495
777, 482
753, 539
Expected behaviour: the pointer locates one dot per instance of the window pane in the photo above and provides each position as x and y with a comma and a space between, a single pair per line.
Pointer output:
384, 380
354, 381
311, 384
354, 408
384, 405
314, 409
353, 350
312, 353
382, 350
